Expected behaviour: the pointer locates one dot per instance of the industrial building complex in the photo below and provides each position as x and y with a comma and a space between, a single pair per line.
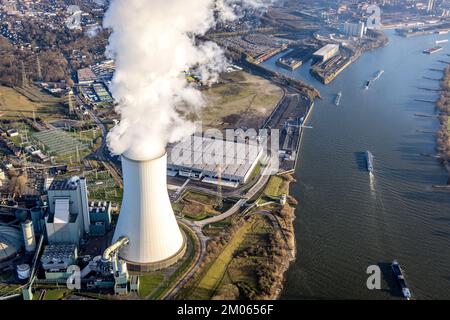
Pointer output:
198, 158
55, 233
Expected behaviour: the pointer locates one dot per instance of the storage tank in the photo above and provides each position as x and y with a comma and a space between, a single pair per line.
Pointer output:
37, 218
28, 236
23, 271
146, 216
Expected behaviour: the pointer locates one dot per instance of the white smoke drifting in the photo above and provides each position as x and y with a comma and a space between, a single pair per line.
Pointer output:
153, 42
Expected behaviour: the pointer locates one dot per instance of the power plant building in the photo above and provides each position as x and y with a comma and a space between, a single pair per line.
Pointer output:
56, 259
326, 52
192, 159
100, 218
68, 217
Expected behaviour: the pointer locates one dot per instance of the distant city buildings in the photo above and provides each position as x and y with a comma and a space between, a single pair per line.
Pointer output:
430, 6
86, 76
93, 82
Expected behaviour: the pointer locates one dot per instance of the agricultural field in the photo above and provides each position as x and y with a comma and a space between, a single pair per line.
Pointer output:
16, 103
240, 100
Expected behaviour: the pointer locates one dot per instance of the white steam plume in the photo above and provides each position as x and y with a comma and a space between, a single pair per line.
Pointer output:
153, 42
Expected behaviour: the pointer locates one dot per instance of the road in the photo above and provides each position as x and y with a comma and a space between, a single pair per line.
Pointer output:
264, 178
102, 153
200, 258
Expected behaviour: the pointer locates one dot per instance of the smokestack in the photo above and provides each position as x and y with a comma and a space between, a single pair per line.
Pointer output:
146, 216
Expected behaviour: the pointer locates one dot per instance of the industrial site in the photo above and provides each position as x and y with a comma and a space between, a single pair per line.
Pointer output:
105, 195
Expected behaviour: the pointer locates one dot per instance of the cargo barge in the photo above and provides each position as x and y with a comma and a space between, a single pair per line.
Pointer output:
399, 276
289, 63
432, 50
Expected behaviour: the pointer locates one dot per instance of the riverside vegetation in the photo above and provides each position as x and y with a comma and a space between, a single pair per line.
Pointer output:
443, 106
248, 255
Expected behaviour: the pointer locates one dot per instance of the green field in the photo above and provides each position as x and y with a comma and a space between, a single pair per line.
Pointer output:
56, 294
210, 281
276, 187
197, 206
149, 283
239, 100
16, 103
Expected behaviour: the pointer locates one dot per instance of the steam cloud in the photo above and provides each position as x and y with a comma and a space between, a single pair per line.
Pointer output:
153, 42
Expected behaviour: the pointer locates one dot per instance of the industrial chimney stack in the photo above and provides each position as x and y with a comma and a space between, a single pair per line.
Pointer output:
146, 216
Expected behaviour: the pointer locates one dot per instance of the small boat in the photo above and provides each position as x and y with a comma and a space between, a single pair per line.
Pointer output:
378, 75
338, 99
369, 160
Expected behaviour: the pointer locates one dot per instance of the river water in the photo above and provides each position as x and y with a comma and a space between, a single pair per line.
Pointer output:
347, 220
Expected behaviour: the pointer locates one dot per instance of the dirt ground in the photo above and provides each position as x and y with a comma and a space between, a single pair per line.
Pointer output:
14, 105
240, 100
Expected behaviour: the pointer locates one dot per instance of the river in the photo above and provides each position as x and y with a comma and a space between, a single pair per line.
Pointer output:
347, 220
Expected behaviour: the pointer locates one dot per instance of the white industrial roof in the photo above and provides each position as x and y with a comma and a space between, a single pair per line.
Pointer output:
326, 49
200, 153
62, 213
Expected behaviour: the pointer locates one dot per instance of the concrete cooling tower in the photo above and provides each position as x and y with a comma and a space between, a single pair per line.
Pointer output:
146, 216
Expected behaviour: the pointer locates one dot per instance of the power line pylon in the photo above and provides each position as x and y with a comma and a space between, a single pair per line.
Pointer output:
38, 68
219, 201
70, 102
24, 75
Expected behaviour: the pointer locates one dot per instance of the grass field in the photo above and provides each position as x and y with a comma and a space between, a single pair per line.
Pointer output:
242, 270
211, 280
149, 283
17, 103
240, 100
197, 206
56, 294
276, 187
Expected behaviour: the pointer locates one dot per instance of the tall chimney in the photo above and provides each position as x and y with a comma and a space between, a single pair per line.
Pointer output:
146, 216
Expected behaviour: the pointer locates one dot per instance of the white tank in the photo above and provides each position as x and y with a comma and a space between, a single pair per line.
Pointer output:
28, 236
146, 216
23, 271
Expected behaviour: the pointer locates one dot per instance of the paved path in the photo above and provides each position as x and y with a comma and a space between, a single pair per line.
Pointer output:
265, 176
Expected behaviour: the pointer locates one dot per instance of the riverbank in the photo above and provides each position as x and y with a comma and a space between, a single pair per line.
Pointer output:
443, 106
326, 72
248, 254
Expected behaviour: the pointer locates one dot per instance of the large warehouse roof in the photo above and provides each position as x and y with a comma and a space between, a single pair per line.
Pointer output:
199, 153
326, 50
10, 242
